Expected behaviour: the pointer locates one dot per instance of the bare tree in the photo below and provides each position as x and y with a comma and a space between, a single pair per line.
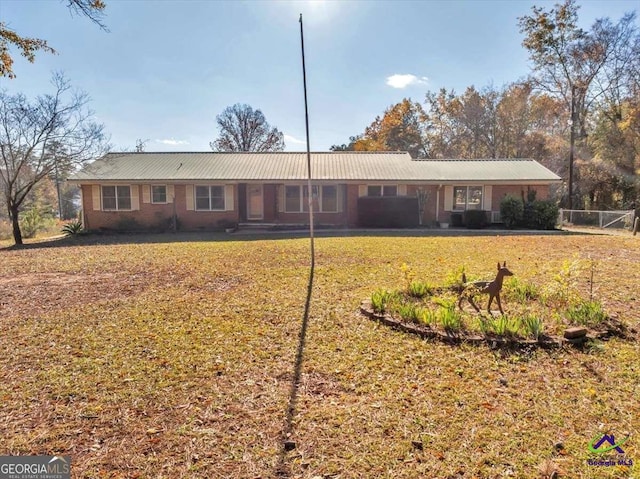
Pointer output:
92, 9
244, 129
583, 68
54, 132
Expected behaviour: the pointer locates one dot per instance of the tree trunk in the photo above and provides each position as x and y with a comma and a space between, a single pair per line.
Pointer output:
17, 234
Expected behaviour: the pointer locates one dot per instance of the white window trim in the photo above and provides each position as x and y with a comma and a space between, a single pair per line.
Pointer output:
466, 200
166, 195
117, 208
195, 197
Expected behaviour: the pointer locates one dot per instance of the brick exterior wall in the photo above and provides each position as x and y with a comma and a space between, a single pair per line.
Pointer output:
152, 216
159, 216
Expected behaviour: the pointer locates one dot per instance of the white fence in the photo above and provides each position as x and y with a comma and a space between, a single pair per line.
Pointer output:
619, 219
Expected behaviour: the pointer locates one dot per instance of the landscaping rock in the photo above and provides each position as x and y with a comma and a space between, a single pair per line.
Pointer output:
575, 333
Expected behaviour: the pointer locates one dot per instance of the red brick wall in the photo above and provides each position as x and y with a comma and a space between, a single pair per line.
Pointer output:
498, 192
154, 216
158, 216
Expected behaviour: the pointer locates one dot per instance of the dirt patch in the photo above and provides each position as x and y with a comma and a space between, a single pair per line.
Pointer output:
33, 294
37, 293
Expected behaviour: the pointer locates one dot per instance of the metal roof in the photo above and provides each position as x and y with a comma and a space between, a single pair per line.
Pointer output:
290, 166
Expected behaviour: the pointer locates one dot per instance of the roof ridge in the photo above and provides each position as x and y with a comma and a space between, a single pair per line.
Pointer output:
253, 152
472, 159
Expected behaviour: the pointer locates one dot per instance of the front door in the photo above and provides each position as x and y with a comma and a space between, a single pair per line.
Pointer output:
254, 202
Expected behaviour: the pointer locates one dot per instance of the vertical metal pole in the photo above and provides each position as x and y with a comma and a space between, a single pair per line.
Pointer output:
572, 141
306, 121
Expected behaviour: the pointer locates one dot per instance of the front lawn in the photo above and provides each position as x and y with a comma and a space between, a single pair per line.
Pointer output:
169, 356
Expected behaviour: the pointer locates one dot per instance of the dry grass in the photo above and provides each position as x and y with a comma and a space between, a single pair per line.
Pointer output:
175, 359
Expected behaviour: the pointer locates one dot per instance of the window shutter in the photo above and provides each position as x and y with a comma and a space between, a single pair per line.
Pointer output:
362, 190
95, 189
228, 197
402, 190
135, 198
189, 198
340, 197
486, 194
170, 193
448, 198
280, 198
146, 193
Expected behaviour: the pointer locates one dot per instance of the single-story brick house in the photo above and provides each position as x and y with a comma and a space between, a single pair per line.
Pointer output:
202, 191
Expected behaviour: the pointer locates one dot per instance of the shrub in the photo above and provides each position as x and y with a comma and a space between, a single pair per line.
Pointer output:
456, 219
533, 326
418, 289
127, 224
426, 316
475, 219
506, 326
453, 280
545, 215
73, 228
6, 230
511, 211
379, 300
449, 317
520, 291
31, 221
564, 289
484, 326
408, 312
588, 313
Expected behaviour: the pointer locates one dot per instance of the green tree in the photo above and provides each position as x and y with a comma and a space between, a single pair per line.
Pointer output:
244, 129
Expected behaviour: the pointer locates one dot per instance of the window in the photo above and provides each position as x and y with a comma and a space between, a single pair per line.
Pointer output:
116, 198
297, 198
292, 199
390, 190
316, 198
467, 197
329, 199
382, 190
210, 198
159, 194
374, 190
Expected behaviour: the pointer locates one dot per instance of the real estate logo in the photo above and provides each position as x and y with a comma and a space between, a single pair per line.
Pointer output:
35, 467
597, 442
606, 443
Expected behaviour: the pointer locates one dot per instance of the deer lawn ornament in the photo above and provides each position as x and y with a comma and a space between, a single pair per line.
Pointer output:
492, 288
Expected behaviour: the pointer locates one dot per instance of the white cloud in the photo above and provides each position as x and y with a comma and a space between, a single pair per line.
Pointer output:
403, 81
293, 139
172, 142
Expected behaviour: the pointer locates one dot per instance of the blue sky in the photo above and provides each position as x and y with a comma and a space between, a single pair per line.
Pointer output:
167, 68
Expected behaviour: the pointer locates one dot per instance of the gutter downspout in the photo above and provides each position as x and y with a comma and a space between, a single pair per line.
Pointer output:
438, 203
